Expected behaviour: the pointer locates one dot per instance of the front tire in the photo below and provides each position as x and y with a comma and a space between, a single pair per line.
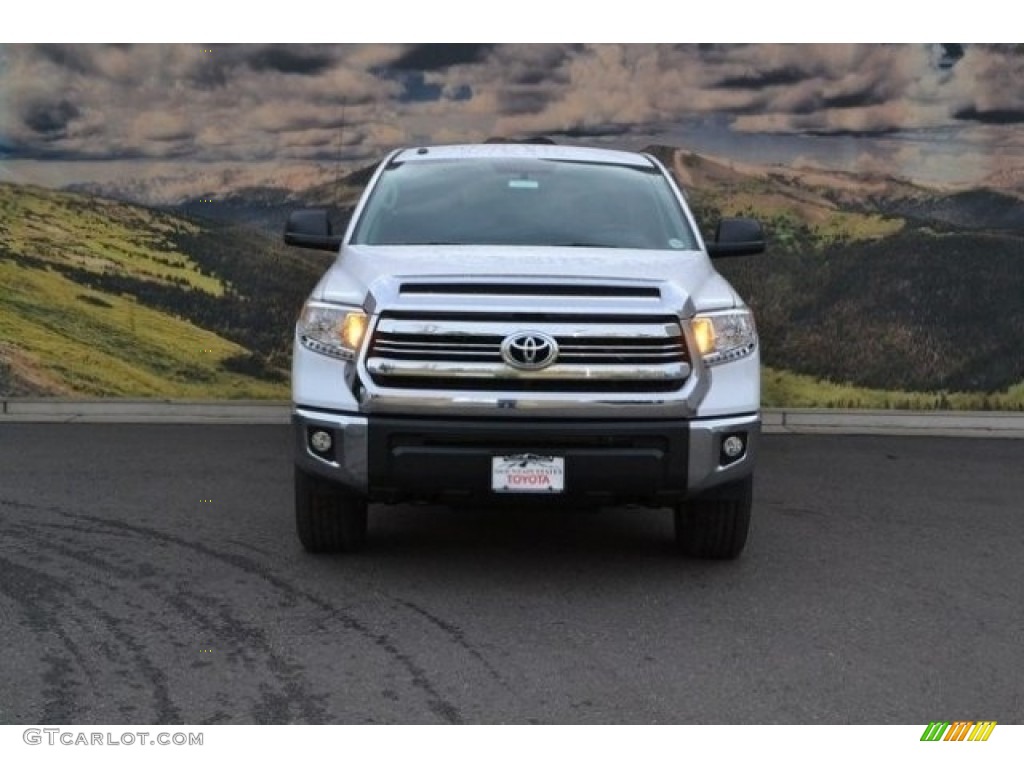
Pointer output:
326, 518
714, 525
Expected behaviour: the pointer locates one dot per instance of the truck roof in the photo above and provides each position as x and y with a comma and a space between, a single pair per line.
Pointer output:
512, 151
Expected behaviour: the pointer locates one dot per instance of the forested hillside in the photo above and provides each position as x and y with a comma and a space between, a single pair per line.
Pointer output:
875, 284
919, 310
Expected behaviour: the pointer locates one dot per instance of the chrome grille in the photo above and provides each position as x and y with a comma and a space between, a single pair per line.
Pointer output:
461, 351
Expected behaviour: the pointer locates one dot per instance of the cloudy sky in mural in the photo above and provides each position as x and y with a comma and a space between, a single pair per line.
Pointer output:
937, 112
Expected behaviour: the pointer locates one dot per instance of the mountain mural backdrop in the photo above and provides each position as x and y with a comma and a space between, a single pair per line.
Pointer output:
143, 190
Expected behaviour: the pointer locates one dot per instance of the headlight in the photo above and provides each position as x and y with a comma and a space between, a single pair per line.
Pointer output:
332, 330
724, 336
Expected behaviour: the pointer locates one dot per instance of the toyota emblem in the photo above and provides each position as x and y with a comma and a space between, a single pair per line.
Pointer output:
529, 350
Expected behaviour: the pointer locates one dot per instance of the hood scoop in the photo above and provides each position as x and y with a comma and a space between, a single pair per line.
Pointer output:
510, 289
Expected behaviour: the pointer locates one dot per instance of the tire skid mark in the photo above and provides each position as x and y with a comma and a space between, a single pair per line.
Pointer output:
61, 547
89, 558
436, 702
30, 596
61, 691
50, 626
38, 589
26, 507
220, 717
457, 635
166, 711
444, 709
227, 627
34, 593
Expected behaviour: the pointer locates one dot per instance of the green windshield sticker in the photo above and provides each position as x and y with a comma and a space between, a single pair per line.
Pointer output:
523, 183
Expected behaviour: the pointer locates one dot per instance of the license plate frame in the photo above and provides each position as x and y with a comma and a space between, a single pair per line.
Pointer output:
528, 473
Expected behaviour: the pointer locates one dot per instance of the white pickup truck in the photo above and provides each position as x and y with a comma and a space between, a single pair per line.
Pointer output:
523, 324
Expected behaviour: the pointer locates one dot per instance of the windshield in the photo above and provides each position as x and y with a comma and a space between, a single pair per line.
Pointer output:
525, 201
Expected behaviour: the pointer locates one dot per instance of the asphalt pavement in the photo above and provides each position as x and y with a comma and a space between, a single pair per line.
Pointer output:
150, 574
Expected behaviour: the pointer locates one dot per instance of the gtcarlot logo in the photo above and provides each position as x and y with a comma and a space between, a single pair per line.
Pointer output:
68, 738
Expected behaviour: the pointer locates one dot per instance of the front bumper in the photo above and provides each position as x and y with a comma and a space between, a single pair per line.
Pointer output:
393, 459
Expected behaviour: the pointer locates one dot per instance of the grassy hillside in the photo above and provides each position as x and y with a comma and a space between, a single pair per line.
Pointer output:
62, 338
97, 236
793, 208
785, 389
100, 298
874, 292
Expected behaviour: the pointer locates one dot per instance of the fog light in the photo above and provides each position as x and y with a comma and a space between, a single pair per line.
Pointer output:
732, 446
321, 441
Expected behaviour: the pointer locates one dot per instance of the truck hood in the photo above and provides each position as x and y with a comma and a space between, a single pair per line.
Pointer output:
358, 268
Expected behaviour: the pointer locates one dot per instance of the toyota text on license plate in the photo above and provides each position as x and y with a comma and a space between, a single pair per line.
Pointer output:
528, 473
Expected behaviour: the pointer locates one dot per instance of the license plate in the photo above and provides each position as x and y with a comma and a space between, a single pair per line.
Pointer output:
528, 473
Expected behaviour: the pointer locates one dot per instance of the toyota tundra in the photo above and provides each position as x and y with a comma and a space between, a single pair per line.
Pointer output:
522, 323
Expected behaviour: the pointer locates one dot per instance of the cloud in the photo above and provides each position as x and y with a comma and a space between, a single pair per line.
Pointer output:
291, 60
51, 119
553, 89
430, 57
162, 127
295, 115
596, 131
207, 102
73, 58
754, 80
989, 85
290, 103
996, 116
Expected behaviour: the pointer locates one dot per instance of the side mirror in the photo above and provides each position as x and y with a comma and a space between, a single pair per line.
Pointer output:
737, 237
311, 228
